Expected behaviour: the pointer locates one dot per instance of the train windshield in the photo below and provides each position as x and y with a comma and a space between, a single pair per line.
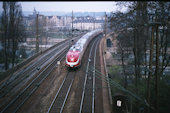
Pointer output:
74, 49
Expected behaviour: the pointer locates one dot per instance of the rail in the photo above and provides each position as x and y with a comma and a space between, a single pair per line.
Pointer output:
85, 82
61, 96
34, 84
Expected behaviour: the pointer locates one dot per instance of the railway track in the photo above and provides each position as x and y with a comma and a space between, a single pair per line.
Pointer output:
51, 58
21, 77
27, 67
61, 96
19, 100
58, 104
88, 95
27, 72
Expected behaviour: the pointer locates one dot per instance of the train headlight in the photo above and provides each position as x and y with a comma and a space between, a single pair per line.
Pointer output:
72, 59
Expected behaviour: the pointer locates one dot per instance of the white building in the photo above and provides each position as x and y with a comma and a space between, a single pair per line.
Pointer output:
88, 23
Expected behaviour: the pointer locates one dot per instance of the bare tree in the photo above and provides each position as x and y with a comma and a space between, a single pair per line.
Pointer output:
13, 29
124, 47
16, 27
5, 24
146, 37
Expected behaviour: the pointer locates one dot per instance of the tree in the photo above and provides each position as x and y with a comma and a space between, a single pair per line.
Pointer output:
124, 47
134, 20
16, 27
12, 22
5, 26
150, 24
160, 15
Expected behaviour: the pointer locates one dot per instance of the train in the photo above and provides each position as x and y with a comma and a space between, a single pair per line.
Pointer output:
76, 51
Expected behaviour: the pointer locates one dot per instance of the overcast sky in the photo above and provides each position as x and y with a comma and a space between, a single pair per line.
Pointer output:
95, 6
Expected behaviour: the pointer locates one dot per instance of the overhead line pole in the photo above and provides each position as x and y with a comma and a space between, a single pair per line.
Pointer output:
72, 24
105, 24
37, 40
94, 21
105, 30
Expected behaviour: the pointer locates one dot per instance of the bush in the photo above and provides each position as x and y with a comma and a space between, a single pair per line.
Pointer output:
115, 70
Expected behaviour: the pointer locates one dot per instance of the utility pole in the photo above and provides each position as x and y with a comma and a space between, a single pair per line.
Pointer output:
45, 32
157, 70
105, 32
81, 22
94, 21
37, 40
157, 76
155, 28
72, 24
105, 24
150, 70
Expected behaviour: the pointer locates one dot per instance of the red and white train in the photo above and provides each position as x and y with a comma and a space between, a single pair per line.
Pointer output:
75, 53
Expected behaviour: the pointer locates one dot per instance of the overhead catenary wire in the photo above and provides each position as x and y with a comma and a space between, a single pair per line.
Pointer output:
101, 76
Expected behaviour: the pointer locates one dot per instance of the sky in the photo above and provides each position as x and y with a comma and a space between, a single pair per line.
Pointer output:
66, 6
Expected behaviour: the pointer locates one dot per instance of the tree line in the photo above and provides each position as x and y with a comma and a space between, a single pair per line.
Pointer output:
143, 31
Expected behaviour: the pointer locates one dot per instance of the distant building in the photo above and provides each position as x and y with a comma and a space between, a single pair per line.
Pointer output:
67, 20
28, 21
59, 21
88, 23
64, 22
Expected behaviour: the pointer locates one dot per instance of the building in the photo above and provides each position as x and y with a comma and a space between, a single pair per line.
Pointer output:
63, 22
88, 23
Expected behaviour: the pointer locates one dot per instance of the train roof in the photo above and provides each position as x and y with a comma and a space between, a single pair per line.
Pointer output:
80, 43
75, 48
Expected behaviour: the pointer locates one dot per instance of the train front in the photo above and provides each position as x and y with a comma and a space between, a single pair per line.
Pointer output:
73, 57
